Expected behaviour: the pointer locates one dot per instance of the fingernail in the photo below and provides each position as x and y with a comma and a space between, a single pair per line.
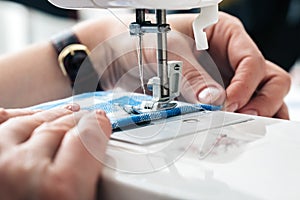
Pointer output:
73, 107
100, 112
232, 107
250, 112
211, 95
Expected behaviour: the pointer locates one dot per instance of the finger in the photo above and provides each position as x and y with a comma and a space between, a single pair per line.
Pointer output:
18, 129
244, 84
249, 67
89, 137
197, 84
269, 99
46, 139
82, 150
6, 114
283, 112
231, 46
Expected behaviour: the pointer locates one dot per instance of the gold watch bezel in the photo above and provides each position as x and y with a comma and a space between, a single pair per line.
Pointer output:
70, 49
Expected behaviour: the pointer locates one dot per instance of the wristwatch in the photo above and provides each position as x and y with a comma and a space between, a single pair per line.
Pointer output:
74, 62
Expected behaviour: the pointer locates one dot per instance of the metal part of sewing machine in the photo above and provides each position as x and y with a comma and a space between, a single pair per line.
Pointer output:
165, 86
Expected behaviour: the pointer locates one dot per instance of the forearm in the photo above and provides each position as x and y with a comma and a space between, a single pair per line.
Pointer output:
31, 76
104, 38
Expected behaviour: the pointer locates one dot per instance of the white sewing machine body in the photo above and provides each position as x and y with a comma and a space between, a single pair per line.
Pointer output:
148, 4
256, 158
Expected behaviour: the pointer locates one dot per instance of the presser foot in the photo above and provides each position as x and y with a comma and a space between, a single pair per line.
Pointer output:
149, 106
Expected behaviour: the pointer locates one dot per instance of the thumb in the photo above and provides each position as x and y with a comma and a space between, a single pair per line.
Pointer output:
201, 88
201, 78
202, 81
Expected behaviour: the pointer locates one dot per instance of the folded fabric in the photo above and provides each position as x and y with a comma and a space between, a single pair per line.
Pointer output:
116, 105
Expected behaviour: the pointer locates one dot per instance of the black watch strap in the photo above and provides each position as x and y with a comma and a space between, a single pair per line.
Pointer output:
73, 58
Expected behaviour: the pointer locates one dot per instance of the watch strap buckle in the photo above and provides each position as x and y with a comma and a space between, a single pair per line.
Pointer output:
70, 49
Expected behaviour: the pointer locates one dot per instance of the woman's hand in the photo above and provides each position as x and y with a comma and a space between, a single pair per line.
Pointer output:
47, 154
257, 86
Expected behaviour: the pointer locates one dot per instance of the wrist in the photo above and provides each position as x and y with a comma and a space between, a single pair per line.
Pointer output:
74, 61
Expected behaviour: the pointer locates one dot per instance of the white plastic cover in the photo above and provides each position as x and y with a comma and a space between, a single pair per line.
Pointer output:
151, 4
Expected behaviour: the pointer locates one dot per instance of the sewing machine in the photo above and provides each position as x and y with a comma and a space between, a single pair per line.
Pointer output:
212, 155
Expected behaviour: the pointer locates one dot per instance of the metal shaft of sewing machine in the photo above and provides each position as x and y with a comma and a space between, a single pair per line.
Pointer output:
164, 86
162, 55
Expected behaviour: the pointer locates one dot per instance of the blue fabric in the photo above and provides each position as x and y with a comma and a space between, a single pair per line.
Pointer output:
114, 105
